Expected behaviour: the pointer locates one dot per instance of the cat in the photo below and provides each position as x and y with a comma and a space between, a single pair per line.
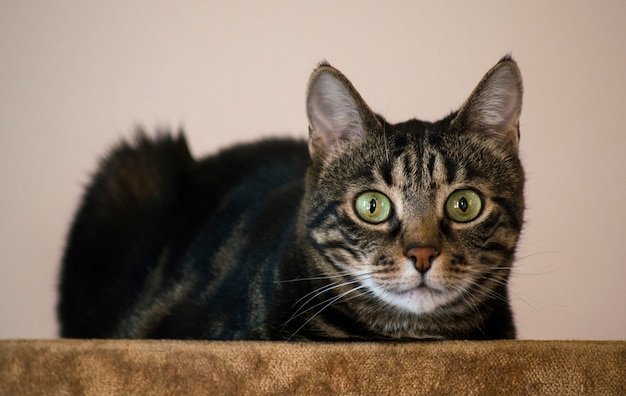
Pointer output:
368, 231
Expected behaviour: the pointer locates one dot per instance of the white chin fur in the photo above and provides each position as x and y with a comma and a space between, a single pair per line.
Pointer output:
420, 300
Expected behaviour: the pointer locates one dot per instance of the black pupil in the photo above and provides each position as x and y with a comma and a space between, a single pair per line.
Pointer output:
463, 204
372, 205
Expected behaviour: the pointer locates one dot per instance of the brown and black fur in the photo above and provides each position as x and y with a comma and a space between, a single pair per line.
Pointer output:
262, 241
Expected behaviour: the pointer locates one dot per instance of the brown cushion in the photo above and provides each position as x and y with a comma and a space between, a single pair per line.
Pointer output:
188, 367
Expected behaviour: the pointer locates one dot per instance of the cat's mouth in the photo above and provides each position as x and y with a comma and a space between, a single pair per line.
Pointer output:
422, 284
421, 287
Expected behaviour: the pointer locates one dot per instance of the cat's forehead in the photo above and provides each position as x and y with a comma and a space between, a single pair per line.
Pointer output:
418, 156
415, 134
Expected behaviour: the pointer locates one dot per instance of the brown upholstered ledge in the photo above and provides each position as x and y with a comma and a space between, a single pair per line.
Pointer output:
197, 367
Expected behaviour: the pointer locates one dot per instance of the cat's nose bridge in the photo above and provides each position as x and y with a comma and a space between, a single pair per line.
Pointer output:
421, 232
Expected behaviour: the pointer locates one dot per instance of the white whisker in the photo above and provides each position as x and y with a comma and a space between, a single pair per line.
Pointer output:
327, 303
311, 296
318, 277
315, 293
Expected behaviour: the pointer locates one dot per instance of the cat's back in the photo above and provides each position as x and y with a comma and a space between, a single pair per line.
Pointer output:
150, 199
245, 172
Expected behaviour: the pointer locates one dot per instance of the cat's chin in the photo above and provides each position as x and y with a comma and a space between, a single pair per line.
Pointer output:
421, 299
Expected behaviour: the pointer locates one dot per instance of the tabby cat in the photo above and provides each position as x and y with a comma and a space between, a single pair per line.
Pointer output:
371, 231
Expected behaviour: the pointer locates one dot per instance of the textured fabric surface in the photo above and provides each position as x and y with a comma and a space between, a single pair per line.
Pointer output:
205, 367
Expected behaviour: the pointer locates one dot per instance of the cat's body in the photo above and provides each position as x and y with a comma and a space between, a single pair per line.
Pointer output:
374, 231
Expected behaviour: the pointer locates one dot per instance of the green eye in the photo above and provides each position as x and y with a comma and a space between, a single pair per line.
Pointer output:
463, 205
373, 207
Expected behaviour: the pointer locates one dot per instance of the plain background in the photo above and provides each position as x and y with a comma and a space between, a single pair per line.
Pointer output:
77, 76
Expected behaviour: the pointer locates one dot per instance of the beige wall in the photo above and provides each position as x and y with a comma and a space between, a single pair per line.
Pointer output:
75, 76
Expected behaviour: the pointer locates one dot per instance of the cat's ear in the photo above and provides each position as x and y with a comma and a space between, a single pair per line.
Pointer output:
494, 107
336, 111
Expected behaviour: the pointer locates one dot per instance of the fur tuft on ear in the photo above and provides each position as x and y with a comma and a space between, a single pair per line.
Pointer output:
495, 106
335, 110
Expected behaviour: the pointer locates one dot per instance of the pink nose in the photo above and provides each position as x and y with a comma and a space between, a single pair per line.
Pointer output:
422, 257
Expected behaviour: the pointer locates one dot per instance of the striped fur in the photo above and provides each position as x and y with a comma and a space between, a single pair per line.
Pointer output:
263, 241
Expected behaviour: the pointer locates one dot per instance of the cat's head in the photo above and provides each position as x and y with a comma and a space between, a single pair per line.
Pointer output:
414, 219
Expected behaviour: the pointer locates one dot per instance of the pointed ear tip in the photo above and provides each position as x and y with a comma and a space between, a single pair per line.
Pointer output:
323, 63
321, 72
507, 58
508, 64
324, 67
509, 74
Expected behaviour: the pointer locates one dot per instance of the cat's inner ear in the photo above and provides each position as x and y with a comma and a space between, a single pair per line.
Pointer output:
495, 106
336, 111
